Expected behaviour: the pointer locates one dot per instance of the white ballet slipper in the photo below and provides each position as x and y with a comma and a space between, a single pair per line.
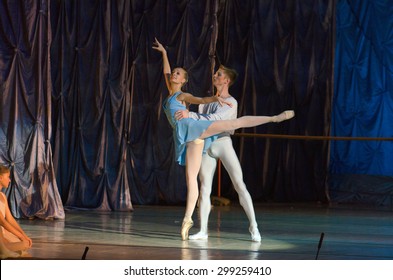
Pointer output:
255, 235
198, 236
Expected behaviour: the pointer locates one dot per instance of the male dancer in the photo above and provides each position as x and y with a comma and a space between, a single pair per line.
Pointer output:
221, 149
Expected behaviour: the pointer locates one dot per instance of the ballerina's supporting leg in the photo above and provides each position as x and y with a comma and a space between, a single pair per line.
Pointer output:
193, 163
206, 175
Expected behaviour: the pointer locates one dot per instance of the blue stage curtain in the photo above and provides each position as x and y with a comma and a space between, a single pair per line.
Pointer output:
363, 92
362, 171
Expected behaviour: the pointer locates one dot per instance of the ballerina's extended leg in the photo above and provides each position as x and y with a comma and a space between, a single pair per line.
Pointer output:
218, 127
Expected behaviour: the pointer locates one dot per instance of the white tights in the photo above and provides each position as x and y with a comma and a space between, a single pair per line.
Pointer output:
222, 148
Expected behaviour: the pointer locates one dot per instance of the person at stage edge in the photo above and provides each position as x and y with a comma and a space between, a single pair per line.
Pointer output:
14, 242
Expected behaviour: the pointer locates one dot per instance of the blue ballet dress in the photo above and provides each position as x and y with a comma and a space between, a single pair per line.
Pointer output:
184, 130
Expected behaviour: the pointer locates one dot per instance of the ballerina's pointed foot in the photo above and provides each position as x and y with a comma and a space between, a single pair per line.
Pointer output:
185, 228
199, 236
286, 115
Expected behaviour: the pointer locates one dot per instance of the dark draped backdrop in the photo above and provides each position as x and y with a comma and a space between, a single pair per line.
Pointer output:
26, 109
82, 90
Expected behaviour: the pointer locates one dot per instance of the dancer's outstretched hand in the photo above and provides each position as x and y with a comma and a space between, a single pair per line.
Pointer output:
158, 46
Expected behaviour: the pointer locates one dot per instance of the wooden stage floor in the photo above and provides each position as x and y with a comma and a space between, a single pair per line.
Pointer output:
289, 232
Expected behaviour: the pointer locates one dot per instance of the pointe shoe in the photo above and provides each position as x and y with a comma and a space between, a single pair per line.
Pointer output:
185, 228
255, 235
286, 115
198, 236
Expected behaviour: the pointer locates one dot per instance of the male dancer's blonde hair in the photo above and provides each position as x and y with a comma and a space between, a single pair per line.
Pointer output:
230, 73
